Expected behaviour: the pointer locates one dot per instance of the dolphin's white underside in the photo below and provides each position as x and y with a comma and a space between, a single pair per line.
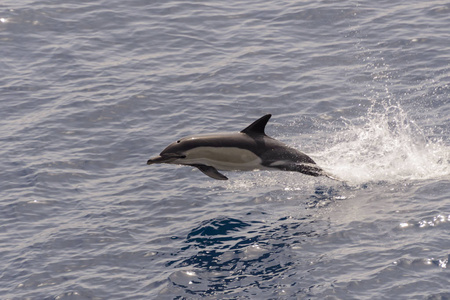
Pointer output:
223, 158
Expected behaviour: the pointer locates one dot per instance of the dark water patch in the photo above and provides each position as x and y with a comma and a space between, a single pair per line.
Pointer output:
225, 255
213, 232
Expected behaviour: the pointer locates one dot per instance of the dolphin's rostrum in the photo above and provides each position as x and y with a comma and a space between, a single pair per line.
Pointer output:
247, 150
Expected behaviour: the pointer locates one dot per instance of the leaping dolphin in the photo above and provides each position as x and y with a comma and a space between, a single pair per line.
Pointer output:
247, 150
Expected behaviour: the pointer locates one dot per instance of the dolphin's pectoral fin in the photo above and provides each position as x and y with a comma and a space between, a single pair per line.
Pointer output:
211, 172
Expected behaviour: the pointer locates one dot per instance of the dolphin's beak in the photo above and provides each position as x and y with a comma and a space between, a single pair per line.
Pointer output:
163, 159
156, 160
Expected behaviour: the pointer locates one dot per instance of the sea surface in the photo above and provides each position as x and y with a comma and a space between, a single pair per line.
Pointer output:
89, 90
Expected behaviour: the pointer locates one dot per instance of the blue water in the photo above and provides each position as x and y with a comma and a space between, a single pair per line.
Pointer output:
89, 90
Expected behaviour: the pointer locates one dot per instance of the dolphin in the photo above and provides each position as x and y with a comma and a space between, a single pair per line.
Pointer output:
247, 150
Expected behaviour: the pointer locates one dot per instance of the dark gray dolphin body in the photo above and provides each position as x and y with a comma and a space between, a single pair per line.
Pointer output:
249, 149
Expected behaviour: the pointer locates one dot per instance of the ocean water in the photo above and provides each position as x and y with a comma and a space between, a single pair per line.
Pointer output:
89, 90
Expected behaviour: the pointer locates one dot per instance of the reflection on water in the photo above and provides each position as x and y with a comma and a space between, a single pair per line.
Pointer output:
225, 253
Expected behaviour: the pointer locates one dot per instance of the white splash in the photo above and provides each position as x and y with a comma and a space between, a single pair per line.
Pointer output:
385, 145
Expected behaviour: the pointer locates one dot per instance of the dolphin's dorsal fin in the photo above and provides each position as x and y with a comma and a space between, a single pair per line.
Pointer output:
258, 126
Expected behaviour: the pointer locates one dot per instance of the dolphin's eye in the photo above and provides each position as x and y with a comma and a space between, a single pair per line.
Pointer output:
178, 141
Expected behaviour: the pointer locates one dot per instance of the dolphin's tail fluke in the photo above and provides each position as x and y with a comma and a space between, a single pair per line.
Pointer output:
317, 171
331, 176
310, 169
